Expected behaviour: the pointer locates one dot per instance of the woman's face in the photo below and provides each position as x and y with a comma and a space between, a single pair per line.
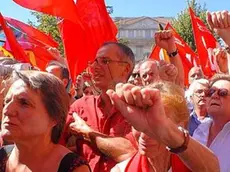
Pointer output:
24, 116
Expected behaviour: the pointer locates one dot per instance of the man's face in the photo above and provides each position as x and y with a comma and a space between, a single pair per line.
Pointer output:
79, 83
218, 102
135, 77
109, 67
149, 72
198, 97
55, 70
194, 74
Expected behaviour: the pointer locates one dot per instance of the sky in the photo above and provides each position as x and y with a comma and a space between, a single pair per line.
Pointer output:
125, 8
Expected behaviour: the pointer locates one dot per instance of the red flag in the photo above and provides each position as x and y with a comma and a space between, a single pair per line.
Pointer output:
81, 44
204, 40
16, 49
32, 32
61, 8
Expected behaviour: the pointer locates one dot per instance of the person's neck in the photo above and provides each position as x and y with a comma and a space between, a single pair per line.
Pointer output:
32, 152
218, 124
106, 101
201, 112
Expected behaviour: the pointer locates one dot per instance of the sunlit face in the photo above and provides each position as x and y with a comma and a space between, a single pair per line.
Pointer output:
135, 77
55, 70
217, 105
109, 68
79, 83
194, 74
149, 72
24, 116
198, 97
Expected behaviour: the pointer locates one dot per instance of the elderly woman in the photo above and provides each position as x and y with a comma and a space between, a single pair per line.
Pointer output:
152, 155
143, 107
33, 117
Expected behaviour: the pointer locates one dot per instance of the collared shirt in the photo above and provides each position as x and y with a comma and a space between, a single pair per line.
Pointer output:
194, 122
219, 146
90, 108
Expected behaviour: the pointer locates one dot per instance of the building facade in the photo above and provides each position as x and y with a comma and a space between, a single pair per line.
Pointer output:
139, 32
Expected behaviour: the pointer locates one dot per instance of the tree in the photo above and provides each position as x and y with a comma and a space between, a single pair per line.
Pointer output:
48, 24
183, 25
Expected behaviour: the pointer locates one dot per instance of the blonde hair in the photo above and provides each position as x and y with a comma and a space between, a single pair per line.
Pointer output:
173, 99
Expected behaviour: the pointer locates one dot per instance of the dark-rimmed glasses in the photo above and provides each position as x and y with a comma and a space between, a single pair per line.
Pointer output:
106, 61
222, 92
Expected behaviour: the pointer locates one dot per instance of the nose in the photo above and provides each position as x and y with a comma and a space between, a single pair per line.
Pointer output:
10, 108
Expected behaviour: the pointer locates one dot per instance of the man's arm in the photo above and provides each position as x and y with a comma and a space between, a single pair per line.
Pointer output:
166, 40
197, 157
153, 121
117, 148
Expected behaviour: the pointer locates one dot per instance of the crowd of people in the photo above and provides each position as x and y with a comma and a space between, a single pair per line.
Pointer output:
119, 115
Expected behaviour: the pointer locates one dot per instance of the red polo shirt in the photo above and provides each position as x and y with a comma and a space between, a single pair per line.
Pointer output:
90, 108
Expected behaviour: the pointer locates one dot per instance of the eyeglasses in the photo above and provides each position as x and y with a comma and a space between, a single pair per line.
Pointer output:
200, 91
105, 61
222, 92
135, 75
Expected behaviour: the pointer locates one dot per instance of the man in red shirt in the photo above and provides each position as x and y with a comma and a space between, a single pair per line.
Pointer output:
103, 136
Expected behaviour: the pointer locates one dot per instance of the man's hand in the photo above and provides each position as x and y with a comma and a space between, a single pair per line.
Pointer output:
168, 72
79, 126
220, 56
220, 23
166, 40
142, 107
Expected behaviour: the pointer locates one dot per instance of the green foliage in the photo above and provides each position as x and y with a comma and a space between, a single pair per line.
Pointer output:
183, 25
48, 24
123, 41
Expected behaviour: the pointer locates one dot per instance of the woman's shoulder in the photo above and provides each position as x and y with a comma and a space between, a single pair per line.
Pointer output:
4, 153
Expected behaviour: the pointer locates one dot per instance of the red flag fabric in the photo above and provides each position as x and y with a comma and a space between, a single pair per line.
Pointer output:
204, 41
16, 49
61, 8
32, 32
81, 44
188, 56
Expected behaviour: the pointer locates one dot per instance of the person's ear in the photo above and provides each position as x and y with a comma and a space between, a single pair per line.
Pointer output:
65, 82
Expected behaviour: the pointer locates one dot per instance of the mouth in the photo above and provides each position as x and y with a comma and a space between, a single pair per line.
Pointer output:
9, 124
214, 104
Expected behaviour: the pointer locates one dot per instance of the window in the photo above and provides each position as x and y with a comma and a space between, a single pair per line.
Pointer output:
148, 34
131, 34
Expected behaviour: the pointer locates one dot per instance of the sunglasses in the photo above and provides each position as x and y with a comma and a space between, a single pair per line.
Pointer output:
222, 92
135, 75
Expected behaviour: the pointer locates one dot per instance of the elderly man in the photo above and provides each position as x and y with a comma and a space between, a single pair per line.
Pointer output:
135, 77
149, 71
194, 74
198, 90
215, 133
104, 137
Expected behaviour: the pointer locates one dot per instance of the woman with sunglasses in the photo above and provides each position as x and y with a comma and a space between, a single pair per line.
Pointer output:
215, 133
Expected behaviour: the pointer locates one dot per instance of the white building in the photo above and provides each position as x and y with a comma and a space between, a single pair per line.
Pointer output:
139, 31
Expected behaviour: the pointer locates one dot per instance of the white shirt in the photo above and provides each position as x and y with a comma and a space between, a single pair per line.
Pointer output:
220, 145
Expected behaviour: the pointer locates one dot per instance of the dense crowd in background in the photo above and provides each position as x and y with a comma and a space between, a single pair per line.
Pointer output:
118, 115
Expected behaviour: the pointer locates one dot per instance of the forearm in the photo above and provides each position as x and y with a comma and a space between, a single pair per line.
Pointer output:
176, 61
196, 157
117, 148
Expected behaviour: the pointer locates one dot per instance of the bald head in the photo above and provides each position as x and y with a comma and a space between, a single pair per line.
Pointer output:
149, 72
194, 74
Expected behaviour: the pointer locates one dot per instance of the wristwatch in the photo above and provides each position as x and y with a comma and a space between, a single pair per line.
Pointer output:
173, 54
184, 146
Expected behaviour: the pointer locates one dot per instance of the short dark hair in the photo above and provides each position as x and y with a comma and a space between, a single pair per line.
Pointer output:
124, 49
218, 77
53, 95
64, 70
